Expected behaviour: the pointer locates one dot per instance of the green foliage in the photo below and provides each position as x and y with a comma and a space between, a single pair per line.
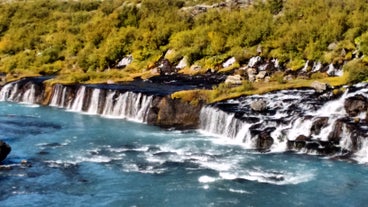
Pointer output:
357, 71
94, 35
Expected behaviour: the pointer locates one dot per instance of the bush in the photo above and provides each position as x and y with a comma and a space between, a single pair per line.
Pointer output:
357, 71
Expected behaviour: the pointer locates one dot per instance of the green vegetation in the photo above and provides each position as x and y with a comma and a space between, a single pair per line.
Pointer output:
82, 41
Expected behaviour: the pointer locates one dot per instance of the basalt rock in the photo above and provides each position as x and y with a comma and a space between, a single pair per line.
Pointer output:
174, 113
355, 105
318, 125
264, 141
4, 150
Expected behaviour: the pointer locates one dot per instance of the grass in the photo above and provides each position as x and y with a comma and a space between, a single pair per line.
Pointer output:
223, 92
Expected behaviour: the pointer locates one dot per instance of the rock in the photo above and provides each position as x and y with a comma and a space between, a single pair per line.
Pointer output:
182, 63
4, 150
267, 79
264, 141
336, 133
174, 113
229, 62
320, 87
125, 61
195, 68
165, 67
318, 125
254, 61
234, 80
261, 75
259, 105
355, 105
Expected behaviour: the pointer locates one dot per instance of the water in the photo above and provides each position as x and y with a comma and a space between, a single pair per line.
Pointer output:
87, 160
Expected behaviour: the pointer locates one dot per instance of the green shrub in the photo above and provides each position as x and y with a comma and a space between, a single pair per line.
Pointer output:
357, 71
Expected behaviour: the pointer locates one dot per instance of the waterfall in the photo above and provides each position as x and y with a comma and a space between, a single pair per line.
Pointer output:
129, 105
112, 103
78, 101
5, 92
94, 103
109, 104
14, 93
220, 123
29, 95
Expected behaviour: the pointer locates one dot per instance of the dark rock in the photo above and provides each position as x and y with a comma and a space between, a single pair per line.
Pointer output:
355, 105
165, 67
299, 143
265, 141
318, 125
174, 113
4, 150
336, 133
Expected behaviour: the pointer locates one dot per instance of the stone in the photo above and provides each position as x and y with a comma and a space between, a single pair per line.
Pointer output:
264, 141
5, 149
165, 67
261, 75
320, 87
259, 105
174, 113
125, 61
229, 62
355, 105
182, 63
234, 80
318, 124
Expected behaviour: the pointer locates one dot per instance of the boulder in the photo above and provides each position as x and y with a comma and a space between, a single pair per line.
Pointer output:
318, 124
355, 105
229, 62
320, 87
264, 141
165, 67
261, 75
259, 105
4, 150
234, 80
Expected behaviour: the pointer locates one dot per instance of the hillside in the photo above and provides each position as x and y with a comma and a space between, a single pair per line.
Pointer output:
118, 40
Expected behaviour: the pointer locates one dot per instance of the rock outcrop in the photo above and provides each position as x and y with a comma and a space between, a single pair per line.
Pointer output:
174, 113
4, 150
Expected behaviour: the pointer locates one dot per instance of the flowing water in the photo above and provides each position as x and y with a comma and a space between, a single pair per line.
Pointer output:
87, 160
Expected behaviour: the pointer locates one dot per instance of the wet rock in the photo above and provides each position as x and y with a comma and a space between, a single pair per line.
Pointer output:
355, 105
320, 87
299, 143
264, 141
318, 125
4, 150
259, 105
336, 133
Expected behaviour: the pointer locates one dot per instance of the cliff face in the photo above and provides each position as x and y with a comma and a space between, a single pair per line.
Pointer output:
173, 113
129, 102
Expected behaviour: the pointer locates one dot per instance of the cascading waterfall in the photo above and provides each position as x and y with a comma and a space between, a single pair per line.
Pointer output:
94, 103
291, 116
12, 92
220, 123
122, 105
78, 101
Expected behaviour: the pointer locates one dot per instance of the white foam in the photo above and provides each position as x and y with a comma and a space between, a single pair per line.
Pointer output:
206, 179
